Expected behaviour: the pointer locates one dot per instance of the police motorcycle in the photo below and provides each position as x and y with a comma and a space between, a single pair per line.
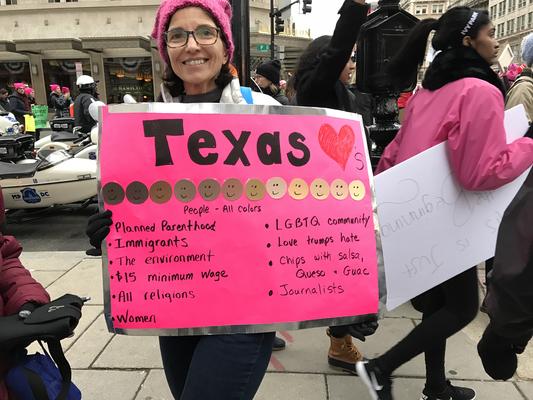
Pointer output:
80, 145
49, 179
8, 123
40, 376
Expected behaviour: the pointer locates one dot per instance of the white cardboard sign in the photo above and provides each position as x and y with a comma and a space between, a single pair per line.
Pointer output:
431, 228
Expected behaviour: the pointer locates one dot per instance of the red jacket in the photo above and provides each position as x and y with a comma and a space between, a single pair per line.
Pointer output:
17, 287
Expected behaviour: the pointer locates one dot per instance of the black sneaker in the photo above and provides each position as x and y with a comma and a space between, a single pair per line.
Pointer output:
379, 385
450, 393
279, 344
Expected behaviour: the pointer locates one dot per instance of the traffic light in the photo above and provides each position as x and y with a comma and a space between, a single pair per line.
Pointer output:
306, 8
280, 24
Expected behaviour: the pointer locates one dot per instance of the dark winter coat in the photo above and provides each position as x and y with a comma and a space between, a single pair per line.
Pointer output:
318, 85
81, 112
5, 105
19, 106
60, 104
509, 299
17, 287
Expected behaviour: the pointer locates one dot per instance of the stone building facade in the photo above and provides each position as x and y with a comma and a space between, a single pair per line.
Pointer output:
54, 41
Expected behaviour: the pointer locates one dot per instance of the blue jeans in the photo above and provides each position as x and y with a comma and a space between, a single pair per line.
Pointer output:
218, 367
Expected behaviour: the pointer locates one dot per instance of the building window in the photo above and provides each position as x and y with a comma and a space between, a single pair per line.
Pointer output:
53, 1
501, 8
14, 71
130, 75
11, 2
421, 9
521, 23
512, 5
522, 3
530, 20
493, 11
510, 27
437, 8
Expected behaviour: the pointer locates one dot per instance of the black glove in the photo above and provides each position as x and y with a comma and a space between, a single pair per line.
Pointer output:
498, 353
358, 330
98, 228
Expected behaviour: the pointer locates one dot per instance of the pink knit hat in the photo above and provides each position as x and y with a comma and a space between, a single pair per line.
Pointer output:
28, 91
54, 87
220, 11
19, 85
65, 90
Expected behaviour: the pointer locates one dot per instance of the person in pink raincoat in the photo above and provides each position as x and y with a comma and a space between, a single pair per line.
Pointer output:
461, 102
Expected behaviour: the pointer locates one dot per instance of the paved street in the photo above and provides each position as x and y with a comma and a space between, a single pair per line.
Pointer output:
108, 366
50, 229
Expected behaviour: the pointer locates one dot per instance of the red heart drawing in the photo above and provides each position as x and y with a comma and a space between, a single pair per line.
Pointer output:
338, 147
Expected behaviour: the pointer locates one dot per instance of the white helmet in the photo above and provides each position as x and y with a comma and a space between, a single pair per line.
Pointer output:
85, 82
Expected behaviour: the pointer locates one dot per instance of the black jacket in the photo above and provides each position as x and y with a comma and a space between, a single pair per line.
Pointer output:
18, 106
82, 117
60, 104
509, 298
318, 85
5, 105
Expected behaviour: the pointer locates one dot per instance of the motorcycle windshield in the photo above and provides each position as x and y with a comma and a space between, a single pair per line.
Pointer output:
55, 158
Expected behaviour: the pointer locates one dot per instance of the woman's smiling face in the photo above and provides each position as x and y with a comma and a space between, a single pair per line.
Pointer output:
196, 65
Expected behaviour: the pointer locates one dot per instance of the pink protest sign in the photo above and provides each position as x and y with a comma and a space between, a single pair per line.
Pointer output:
232, 222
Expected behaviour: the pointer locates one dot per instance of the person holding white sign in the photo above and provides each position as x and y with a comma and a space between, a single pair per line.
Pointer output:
461, 102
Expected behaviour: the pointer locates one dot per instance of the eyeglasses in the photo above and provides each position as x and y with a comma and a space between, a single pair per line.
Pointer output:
203, 35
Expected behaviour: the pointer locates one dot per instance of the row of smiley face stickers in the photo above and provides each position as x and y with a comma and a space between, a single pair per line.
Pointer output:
232, 189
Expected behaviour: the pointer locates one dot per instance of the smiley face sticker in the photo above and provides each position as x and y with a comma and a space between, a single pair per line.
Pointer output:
112, 193
160, 192
232, 189
255, 190
319, 189
339, 189
298, 189
137, 192
276, 187
357, 190
209, 189
184, 190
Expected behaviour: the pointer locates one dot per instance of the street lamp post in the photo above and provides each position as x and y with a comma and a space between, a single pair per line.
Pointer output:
241, 38
379, 40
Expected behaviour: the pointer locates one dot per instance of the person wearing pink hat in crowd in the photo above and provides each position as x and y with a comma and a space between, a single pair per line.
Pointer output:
18, 102
30, 94
68, 100
195, 42
58, 101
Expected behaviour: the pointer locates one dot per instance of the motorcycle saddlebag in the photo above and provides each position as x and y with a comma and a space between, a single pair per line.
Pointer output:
15, 147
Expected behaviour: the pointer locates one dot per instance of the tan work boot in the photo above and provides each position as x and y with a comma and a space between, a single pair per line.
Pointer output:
343, 354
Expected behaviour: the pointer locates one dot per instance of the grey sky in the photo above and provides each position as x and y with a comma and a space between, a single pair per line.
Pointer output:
321, 20
323, 17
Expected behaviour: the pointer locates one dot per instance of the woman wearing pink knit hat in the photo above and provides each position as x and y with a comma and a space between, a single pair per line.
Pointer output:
195, 42
18, 102
58, 101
